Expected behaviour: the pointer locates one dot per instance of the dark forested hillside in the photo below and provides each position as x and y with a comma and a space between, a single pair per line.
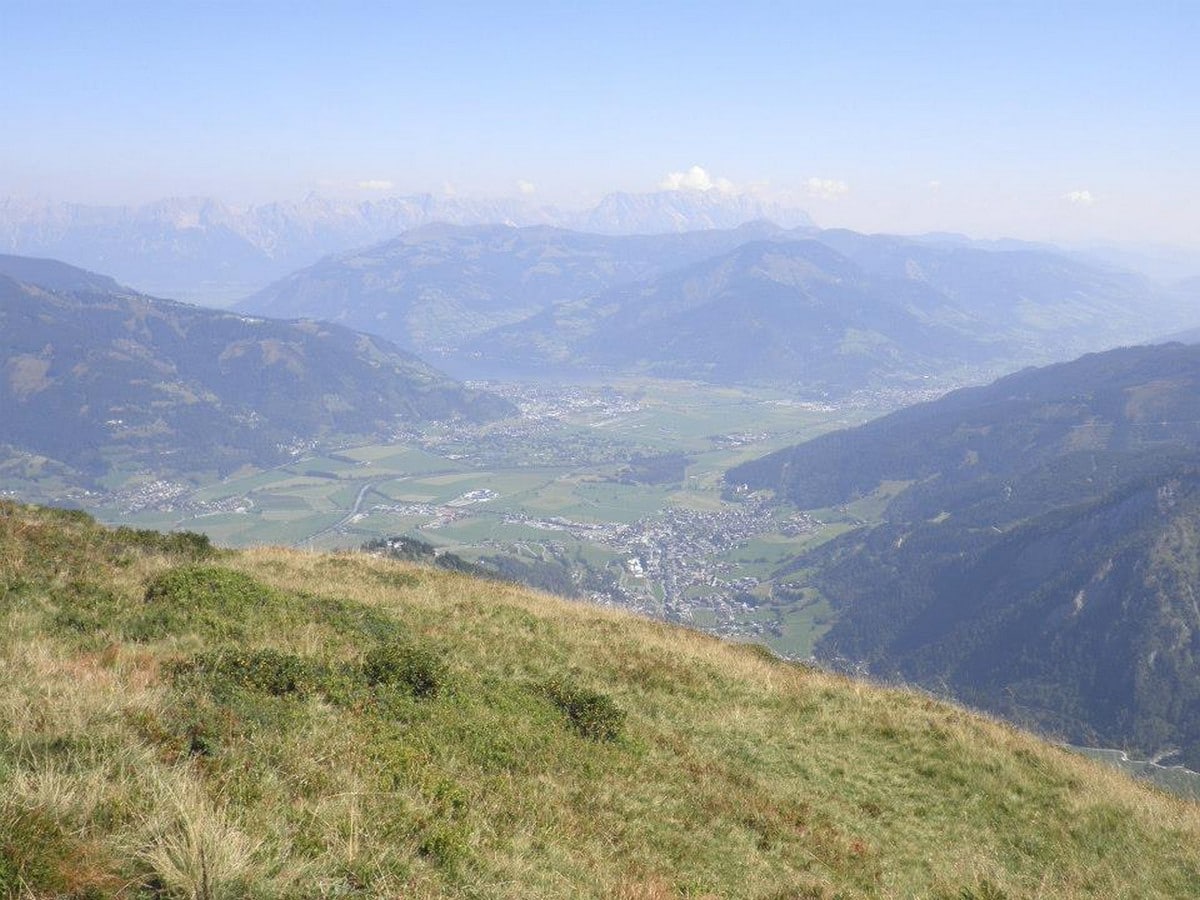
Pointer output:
93, 371
1044, 558
1125, 400
1081, 621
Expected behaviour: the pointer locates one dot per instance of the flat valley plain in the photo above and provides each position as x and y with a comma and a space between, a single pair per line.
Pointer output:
609, 491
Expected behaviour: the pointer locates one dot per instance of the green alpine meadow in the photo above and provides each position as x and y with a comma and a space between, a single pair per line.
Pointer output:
178, 721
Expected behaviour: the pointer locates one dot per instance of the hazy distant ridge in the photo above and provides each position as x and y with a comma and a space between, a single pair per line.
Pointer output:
202, 249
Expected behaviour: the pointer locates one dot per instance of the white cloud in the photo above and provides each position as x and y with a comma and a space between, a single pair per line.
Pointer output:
525, 188
697, 178
1079, 198
376, 184
825, 188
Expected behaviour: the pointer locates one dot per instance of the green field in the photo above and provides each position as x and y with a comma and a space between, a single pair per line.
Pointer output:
571, 470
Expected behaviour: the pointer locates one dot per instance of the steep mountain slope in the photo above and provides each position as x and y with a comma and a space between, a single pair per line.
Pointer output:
841, 312
784, 311
1042, 561
434, 288
1114, 403
1043, 303
183, 722
56, 276
93, 371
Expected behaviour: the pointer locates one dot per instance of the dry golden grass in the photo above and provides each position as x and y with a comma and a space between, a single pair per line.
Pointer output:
734, 775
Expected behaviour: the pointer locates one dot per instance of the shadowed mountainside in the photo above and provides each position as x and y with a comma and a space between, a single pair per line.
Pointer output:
93, 372
1042, 559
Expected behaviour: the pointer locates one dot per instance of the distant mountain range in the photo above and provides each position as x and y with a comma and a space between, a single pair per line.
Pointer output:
436, 287
96, 375
204, 250
831, 311
1188, 292
788, 310
1043, 556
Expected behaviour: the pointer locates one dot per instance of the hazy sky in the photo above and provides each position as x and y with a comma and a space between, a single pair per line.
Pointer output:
1040, 120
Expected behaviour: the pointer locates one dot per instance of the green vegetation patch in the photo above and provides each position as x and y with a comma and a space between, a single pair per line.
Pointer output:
207, 599
566, 752
417, 669
38, 858
267, 671
593, 714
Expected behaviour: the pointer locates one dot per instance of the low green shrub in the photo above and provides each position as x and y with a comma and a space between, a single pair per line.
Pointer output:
208, 599
351, 619
84, 607
446, 846
264, 671
190, 544
192, 727
592, 714
400, 664
208, 586
34, 852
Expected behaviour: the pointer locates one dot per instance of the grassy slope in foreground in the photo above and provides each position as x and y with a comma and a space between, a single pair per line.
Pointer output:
139, 759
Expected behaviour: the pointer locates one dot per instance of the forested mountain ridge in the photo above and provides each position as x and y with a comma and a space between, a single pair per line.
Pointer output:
839, 311
93, 371
787, 311
831, 311
1041, 557
436, 287
1118, 401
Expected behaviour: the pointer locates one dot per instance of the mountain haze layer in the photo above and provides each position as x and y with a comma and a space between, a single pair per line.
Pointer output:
204, 250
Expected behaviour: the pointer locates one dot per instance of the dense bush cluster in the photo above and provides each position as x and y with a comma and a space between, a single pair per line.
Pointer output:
592, 714
405, 665
205, 586
267, 671
190, 544
415, 670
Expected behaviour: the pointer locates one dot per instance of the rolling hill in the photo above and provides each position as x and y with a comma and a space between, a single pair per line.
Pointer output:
95, 375
1039, 559
186, 722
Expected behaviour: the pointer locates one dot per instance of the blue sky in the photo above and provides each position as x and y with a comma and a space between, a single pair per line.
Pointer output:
1041, 120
